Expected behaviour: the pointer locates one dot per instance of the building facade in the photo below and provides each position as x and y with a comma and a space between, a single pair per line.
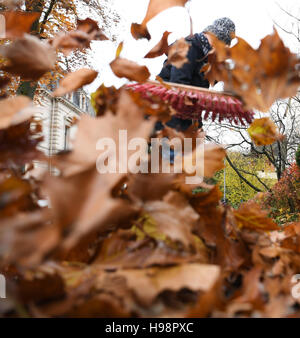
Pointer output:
58, 116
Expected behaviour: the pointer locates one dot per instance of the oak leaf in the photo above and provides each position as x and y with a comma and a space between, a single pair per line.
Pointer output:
259, 77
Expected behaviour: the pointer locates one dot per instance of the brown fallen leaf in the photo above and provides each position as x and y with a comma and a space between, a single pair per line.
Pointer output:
134, 249
13, 111
251, 216
26, 233
27, 237
128, 117
264, 132
35, 285
17, 23
75, 80
17, 192
79, 170
177, 55
291, 240
208, 301
210, 159
28, 57
157, 6
155, 106
11, 4
91, 27
19, 143
87, 31
68, 42
219, 231
129, 69
161, 48
292, 230
216, 59
75, 204
91, 292
105, 99
149, 187
139, 31
259, 76
172, 219
147, 284
251, 292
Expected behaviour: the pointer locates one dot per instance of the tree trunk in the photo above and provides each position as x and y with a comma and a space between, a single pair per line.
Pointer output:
28, 88
292, 206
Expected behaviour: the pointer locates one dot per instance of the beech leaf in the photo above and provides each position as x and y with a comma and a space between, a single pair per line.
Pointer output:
75, 80
130, 70
28, 57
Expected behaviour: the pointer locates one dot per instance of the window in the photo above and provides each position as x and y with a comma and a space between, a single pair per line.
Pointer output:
67, 137
76, 99
70, 132
83, 102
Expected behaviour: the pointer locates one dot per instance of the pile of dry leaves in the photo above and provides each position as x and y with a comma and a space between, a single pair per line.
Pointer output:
122, 245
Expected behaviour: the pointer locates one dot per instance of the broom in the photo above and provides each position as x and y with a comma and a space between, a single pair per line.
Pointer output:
194, 103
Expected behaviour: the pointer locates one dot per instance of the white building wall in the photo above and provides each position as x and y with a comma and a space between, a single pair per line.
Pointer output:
57, 115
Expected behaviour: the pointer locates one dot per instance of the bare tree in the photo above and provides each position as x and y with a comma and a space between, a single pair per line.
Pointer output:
293, 28
285, 114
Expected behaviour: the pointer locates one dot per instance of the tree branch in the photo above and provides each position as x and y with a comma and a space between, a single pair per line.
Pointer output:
257, 177
241, 176
46, 16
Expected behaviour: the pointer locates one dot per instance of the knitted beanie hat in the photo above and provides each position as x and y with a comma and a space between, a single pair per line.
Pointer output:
223, 29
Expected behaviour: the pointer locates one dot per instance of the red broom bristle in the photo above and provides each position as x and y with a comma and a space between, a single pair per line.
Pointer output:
192, 104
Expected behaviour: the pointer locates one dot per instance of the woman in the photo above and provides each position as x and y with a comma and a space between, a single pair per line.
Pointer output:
189, 73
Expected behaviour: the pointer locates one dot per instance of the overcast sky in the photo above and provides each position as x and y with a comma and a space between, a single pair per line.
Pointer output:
253, 19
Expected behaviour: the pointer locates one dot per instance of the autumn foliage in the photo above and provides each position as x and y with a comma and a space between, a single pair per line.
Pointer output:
283, 201
133, 245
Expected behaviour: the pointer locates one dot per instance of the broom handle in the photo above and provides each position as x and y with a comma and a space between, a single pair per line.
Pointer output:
190, 88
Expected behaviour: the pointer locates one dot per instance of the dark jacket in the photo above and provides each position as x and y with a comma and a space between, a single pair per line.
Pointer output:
190, 74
